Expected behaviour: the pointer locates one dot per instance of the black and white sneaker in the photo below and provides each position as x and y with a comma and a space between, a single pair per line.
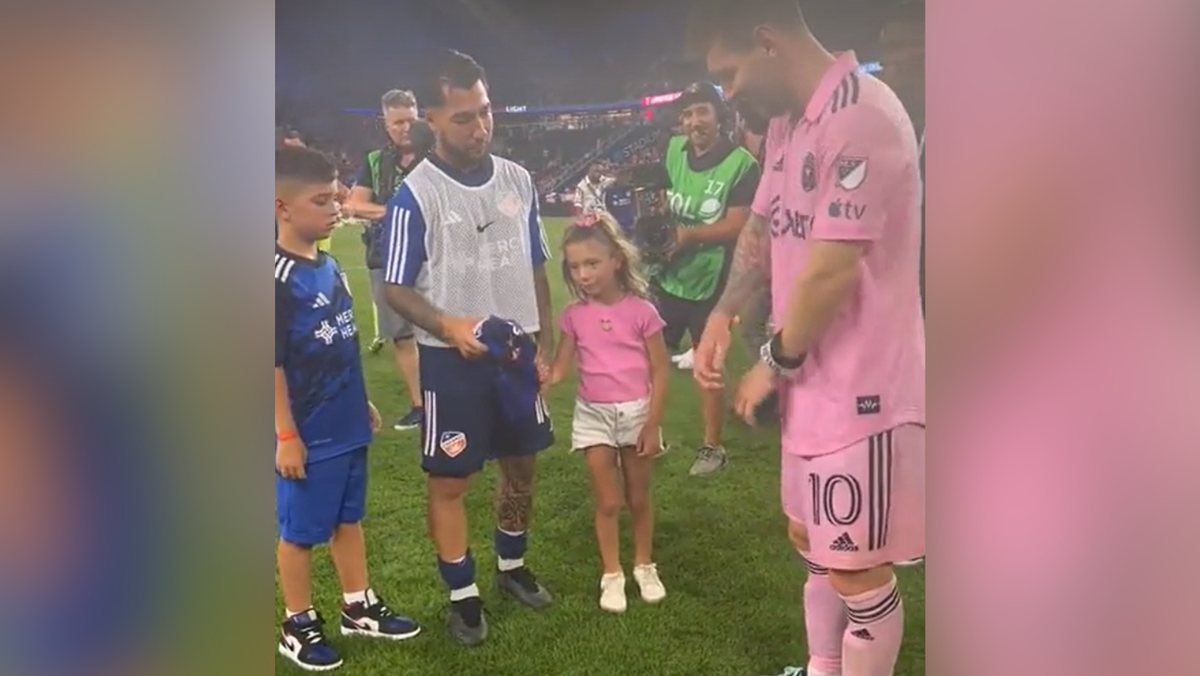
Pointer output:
376, 346
411, 421
303, 642
377, 621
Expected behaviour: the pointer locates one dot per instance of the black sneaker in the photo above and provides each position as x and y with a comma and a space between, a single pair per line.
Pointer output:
523, 585
376, 346
377, 621
303, 642
411, 421
467, 624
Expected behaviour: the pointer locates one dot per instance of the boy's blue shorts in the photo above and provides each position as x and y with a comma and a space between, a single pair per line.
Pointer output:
334, 493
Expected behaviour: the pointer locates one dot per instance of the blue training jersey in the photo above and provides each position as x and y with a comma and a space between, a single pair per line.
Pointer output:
316, 344
618, 201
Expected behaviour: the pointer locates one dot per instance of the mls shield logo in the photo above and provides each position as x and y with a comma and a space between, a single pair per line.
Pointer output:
852, 172
453, 443
809, 180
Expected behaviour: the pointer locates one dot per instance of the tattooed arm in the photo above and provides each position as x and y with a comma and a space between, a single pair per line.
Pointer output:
412, 306
751, 270
406, 259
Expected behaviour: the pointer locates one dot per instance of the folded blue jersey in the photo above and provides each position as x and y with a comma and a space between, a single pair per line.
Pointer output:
513, 353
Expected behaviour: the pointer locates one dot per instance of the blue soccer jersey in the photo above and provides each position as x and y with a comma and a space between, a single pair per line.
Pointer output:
618, 201
316, 344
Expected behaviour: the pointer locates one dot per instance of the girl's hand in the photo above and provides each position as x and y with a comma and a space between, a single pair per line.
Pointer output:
376, 419
552, 377
649, 443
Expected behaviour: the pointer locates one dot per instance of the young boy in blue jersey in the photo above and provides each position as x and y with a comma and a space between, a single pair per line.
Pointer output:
323, 420
618, 202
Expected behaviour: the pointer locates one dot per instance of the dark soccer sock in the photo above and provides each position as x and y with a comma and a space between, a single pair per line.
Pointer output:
510, 549
459, 576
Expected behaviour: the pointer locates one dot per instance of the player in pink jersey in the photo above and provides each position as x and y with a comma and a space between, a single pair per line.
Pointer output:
615, 337
835, 233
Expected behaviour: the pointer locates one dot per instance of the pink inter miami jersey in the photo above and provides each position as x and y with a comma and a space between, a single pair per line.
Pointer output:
848, 170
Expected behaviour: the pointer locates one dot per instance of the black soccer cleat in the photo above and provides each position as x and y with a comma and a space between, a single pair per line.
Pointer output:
523, 585
467, 623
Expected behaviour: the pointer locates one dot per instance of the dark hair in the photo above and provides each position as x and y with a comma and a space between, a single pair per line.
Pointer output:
449, 69
304, 165
908, 11
732, 22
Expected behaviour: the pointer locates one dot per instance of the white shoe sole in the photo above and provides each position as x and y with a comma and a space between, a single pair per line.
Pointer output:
654, 601
346, 631
307, 667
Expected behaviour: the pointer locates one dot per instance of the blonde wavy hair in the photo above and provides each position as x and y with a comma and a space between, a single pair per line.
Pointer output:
601, 227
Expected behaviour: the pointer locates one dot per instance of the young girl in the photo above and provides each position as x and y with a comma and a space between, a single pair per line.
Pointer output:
615, 336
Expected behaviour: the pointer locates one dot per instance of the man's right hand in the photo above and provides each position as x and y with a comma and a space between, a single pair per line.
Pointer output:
709, 365
290, 457
459, 332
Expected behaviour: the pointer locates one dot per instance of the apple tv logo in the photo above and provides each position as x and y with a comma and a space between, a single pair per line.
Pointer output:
846, 210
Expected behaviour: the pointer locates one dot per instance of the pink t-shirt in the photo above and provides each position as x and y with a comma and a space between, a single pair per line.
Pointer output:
610, 346
848, 170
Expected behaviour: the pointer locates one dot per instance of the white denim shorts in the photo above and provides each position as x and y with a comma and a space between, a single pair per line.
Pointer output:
615, 425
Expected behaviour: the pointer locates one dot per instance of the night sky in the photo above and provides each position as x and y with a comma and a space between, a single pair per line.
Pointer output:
345, 53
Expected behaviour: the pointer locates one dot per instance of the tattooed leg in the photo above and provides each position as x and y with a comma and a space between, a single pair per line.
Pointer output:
514, 494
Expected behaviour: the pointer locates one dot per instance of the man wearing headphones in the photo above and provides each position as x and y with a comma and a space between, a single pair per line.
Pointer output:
712, 185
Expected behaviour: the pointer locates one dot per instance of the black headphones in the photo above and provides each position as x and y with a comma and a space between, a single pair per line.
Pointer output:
707, 92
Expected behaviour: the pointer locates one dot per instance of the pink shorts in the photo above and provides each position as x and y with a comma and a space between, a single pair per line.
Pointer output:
863, 506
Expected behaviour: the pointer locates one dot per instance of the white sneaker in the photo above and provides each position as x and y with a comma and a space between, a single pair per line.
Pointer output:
612, 593
653, 590
686, 360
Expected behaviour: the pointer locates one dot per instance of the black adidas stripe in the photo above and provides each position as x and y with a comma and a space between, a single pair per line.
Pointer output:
877, 612
815, 569
880, 509
847, 93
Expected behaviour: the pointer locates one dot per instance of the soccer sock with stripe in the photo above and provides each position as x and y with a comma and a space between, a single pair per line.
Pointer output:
459, 576
510, 549
826, 622
872, 641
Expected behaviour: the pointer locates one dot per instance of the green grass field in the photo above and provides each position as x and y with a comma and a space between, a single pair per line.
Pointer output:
733, 579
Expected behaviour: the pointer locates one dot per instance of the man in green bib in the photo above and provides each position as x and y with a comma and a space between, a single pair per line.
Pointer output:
712, 185
382, 172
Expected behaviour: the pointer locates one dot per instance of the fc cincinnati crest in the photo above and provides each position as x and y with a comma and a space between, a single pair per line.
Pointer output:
809, 180
852, 171
453, 443
510, 206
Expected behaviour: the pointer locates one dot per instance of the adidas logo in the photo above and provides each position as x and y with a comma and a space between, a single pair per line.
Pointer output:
862, 635
320, 302
843, 544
